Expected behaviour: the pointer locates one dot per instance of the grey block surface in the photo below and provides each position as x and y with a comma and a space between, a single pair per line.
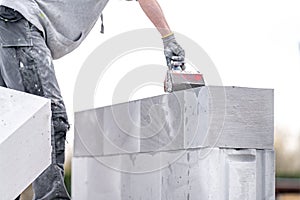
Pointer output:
25, 135
209, 174
230, 117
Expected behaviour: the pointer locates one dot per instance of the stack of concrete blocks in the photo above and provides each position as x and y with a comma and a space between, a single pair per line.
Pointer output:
25, 147
211, 143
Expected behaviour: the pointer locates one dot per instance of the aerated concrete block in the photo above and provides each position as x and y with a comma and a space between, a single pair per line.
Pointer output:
227, 117
25, 147
211, 143
199, 174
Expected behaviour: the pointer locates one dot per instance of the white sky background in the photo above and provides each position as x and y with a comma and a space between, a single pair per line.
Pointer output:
252, 44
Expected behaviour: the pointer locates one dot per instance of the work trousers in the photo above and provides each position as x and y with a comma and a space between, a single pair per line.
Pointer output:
26, 65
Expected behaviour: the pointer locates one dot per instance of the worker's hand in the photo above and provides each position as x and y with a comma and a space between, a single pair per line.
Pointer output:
174, 53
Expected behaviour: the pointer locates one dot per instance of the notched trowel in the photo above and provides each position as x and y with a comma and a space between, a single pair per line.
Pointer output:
179, 79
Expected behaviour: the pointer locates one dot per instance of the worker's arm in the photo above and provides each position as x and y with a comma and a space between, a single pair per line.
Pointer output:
155, 14
173, 51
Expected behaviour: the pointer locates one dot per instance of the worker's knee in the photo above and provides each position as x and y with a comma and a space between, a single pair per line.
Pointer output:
60, 124
59, 117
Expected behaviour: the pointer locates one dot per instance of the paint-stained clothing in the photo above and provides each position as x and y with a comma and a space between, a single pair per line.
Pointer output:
32, 33
26, 65
64, 23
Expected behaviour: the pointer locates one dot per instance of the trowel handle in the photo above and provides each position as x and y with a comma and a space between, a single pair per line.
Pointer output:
172, 65
176, 68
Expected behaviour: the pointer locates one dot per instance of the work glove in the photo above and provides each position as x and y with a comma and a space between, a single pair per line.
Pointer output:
174, 53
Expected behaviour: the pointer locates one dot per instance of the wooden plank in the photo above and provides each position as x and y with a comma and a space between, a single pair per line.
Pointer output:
287, 185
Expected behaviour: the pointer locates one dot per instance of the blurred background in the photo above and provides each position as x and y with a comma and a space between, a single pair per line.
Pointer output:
252, 43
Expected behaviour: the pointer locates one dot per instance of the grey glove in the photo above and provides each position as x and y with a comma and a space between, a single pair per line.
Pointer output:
174, 53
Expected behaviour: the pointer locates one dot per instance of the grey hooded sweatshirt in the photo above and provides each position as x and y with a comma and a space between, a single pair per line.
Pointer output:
64, 23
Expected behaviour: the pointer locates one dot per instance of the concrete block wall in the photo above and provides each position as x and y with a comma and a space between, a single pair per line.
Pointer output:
203, 143
25, 148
